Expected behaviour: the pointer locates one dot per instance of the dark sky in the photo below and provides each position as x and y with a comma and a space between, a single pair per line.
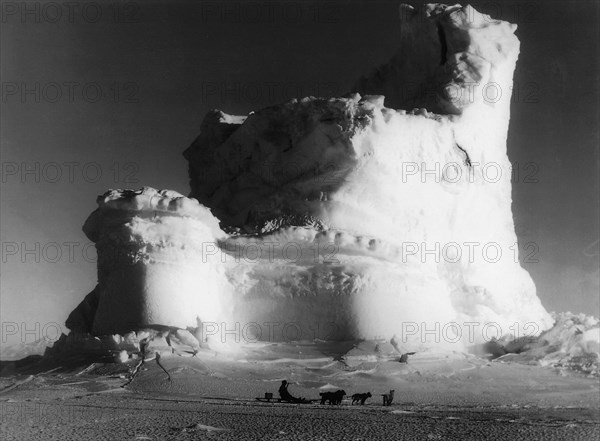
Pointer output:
159, 66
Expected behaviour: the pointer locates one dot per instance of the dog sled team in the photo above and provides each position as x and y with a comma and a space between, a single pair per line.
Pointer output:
337, 397
333, 398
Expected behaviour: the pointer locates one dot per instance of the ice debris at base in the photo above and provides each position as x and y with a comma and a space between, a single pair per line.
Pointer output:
573, 343
350, 218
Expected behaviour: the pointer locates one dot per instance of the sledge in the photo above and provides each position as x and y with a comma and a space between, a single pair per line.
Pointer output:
268, 398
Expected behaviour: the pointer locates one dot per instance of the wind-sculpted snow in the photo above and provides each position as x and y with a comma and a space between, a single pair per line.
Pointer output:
345, 218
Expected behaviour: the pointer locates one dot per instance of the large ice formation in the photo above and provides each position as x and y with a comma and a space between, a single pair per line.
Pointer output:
340, 218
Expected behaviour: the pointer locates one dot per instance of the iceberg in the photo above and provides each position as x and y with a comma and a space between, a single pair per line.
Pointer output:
385, 213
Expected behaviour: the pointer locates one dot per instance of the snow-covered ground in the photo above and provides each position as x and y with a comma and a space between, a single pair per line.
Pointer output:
437, 396
97, 388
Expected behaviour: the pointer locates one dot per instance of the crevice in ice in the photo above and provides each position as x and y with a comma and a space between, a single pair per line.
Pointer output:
443, 43
467, 158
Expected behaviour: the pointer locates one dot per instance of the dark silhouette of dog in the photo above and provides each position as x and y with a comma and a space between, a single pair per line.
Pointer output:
361, 397
333, 397
388, 398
